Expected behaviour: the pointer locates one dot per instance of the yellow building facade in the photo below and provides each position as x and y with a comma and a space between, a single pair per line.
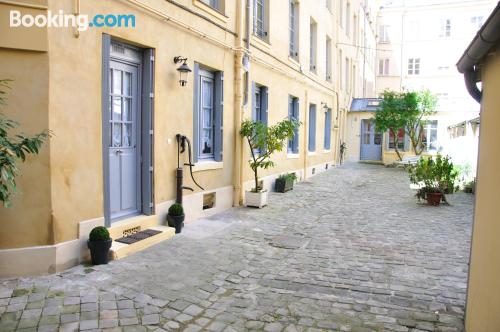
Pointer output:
481, 62
112, 98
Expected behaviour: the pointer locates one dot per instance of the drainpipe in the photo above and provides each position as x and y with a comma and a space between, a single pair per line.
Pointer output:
238, 106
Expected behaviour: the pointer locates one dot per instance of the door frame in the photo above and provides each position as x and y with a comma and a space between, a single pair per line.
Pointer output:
145, 101
372, 140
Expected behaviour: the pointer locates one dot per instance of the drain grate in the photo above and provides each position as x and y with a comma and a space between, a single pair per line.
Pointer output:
133, 238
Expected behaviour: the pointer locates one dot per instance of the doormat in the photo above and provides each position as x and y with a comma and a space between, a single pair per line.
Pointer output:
133, 238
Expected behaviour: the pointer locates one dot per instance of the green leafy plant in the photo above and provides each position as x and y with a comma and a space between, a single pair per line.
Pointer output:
13, 149
288, 177
263, 141
433, 175
470, 187
99, 233
176, 210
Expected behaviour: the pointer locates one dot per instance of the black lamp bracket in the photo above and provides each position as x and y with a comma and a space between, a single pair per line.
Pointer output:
179, 58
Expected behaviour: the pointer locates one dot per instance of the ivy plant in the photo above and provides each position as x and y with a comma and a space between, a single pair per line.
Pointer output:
263, 141
13, 148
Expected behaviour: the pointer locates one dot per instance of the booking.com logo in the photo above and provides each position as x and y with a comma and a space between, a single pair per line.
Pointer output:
61, 20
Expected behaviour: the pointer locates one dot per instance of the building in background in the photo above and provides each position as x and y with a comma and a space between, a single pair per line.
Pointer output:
417, 46
112, 96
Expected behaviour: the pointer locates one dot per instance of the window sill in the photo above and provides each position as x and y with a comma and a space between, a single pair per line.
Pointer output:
293, 60
327, 151
260, 41
210, 10
293, 156
207, 166
311, 153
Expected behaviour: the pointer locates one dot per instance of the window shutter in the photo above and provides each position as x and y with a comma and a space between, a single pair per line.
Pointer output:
147, 130
254, 16
265, 104
254, 103
218, 116
312, 128
196, 112
295, 147
328, 129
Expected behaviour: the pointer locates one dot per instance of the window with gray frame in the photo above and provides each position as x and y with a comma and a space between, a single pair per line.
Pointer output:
260, 18
313, 28
260, 103
208, 114
328, 129
348, 19
294, 29
293, 114
312, 128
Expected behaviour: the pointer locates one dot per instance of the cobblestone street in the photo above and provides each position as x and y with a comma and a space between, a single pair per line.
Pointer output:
348, 250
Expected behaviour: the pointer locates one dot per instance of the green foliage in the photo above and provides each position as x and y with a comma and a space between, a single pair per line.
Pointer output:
99, 233
13, 149
288, 177
176, 210
433, 175
406, 110
264, 141
470, 187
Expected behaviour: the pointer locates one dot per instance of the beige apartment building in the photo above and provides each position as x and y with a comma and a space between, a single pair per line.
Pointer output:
115, 99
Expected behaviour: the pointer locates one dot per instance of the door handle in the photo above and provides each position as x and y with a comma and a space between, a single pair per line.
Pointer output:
119, 151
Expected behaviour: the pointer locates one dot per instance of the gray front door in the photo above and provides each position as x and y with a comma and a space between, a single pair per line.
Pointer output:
371, 141
124, 141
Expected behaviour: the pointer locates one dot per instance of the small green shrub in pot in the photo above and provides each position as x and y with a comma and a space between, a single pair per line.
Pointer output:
436, 176
175, 217
285, 182
99, 244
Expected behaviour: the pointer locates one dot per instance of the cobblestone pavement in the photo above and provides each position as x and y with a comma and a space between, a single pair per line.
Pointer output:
348, 250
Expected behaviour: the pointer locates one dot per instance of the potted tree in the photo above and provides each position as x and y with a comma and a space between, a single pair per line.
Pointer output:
435, 177
285, 182
175, 217
263, 141
99, 244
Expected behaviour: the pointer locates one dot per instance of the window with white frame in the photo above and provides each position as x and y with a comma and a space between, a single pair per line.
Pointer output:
328, 56
313, 38
341, 76
215, 4
383, 67
293, 114
328, 4
445, 30
261, 18
328, 129
477, 22
383, 34
401, 137
341, 13
348, 19
294, 29
430, 135
208, 114
414, 66
347, 78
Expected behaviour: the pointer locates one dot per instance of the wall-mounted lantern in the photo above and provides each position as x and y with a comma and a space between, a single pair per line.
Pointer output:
183, 70
325, 106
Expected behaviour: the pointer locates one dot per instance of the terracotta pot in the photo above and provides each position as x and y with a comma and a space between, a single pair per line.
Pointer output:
434, 198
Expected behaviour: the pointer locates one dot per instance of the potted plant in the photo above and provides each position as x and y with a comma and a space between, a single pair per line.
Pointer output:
470, 187
263, 141
285, 182
175, 217
435, 177
99, 244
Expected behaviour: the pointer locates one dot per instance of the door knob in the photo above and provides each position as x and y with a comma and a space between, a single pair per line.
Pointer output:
119, 151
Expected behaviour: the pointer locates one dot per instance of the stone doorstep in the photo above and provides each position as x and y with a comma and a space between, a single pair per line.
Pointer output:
120, 250
142, 222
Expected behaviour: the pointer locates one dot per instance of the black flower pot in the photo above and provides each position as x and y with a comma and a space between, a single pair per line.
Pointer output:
99, 251
176, 221
283, 185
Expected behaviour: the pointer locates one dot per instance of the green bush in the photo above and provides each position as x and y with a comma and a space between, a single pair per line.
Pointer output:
288, 177
176, 210
433, 175
99, 233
